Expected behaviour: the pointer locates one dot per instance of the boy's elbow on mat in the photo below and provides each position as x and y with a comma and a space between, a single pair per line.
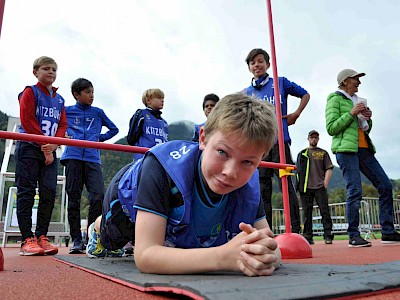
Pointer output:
144, 265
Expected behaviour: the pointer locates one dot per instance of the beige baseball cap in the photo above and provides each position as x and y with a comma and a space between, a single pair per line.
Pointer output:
348, 73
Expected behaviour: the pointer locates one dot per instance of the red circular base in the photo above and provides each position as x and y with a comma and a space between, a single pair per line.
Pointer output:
293, 245
1, 260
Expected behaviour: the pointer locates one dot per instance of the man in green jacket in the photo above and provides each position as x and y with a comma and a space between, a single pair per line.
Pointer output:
348, 121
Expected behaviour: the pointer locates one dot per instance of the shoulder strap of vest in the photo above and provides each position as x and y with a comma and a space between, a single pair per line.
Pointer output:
127, 189
133, 133
34, 89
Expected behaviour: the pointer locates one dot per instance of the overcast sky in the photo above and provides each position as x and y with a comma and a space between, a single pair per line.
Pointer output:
189, 48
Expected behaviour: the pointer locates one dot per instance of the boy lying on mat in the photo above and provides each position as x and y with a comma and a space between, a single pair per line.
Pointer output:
196, 207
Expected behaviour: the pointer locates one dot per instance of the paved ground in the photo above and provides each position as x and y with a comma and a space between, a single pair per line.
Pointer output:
44, 277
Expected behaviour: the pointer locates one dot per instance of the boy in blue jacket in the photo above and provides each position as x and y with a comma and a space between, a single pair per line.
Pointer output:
196, 207
83, 165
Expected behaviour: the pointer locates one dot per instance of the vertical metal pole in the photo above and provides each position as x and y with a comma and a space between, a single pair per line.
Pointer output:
281, 144
2, 5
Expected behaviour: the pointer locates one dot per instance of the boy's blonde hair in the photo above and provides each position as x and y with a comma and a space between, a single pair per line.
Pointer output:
252, 120
43, 60
152, 93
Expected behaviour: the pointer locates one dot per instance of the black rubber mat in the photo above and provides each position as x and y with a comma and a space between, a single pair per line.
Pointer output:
291, 281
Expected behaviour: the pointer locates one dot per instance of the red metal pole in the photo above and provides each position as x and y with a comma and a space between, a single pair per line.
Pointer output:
98, 145
281, 144
292, 245
69, 142
2, 5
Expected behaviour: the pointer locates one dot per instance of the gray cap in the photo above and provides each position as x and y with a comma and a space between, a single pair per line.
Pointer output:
312, 132
347, 73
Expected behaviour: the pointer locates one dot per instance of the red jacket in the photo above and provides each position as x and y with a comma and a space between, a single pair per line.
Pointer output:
27, 112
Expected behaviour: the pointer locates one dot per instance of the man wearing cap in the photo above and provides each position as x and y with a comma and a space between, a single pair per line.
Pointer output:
314, 171
355, 152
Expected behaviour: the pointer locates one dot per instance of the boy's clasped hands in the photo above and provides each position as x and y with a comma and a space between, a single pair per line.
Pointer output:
48, 149
257, 255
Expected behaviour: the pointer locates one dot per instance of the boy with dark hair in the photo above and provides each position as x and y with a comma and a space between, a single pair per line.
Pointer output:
146, 127
196, 207
209, 102
262, 87
83, 165
42, 112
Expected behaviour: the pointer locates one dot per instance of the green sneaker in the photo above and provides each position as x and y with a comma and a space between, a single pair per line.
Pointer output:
94, 248
116, 253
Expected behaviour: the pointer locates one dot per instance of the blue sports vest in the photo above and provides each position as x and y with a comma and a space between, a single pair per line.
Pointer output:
266, 93
155, 131
179, 159
48, 111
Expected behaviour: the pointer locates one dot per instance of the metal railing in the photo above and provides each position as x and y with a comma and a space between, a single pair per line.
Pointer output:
369, 218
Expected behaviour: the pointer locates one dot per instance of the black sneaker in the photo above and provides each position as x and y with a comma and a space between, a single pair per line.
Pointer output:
391, 238
358, 242
77, 248
128, 249
328, 238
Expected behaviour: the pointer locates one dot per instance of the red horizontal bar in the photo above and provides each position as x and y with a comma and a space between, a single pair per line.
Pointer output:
99, 145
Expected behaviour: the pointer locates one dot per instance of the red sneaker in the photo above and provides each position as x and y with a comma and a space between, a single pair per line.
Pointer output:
48, 248
30, 247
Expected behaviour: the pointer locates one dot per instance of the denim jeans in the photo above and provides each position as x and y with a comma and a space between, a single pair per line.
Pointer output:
351, 164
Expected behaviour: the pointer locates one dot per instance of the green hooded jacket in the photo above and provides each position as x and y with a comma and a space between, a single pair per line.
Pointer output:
342, 126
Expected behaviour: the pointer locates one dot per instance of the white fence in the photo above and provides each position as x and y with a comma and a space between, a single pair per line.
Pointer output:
369, 218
